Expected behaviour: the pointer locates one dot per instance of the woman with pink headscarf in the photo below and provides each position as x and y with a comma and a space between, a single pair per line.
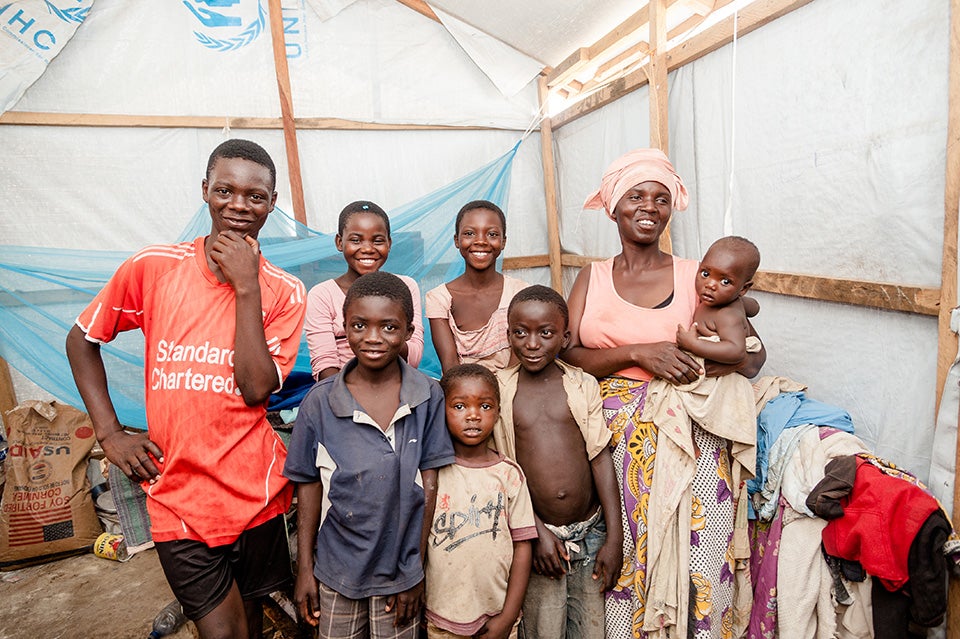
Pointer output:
624, 314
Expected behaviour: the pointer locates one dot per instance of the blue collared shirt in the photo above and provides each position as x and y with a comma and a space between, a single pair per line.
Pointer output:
372, 511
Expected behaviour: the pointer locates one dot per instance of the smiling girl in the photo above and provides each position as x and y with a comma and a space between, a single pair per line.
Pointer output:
468, 316
363, 236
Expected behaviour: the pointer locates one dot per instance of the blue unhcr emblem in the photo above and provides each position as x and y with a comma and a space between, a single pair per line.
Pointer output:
69, 14
225, 18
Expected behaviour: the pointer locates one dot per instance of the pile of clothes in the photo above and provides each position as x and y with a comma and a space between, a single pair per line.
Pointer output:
863, 547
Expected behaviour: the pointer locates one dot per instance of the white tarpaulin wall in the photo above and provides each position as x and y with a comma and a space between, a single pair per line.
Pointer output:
122, 188
840, 124
375, 61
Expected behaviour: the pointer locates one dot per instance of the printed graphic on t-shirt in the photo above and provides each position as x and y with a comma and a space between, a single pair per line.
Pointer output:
188, 367
452, 528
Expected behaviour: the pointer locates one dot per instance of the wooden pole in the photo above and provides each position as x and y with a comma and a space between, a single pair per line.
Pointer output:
8, 395
657, 79
947, 346
948, 280
550, 193
28, 118
286, 111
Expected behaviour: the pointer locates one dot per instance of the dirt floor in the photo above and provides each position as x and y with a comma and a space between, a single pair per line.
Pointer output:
88, 597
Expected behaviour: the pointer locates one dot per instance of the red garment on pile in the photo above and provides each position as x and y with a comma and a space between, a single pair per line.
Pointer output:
881, 518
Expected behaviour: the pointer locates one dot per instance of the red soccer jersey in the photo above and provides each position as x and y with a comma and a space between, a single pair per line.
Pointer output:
223, 463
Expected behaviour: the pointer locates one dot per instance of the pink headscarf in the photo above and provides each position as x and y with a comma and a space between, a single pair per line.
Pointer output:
629, 170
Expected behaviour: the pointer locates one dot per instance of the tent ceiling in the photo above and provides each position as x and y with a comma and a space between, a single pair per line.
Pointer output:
587, 45
547, 30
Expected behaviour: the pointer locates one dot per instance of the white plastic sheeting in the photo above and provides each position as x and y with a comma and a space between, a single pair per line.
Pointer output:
509, 69
841, 129
377, 61
33, 32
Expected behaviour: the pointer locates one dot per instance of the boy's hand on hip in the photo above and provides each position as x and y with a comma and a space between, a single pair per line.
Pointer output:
307, 597
133, 454
407, 604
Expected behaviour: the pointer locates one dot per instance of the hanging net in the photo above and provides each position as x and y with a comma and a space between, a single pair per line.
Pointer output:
42, 290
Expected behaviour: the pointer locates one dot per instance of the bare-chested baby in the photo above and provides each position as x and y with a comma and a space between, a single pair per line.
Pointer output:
551, 423
720, 328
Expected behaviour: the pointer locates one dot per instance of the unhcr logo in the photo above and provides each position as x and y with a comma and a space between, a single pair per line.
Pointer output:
227, 25
37, 30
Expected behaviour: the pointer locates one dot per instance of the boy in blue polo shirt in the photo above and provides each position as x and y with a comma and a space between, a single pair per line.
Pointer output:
364, 455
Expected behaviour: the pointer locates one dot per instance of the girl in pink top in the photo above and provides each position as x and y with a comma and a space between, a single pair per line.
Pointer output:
363, 236
468, 316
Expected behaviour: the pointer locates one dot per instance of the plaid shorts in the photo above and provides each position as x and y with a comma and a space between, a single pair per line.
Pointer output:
345, 618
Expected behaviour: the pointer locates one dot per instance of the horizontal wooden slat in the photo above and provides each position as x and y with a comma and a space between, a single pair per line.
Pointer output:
218, 122
579, 261
527, 261
569, 67
620, 62
893, 297
608, 46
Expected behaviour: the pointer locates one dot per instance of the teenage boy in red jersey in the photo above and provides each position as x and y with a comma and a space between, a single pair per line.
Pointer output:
221, 328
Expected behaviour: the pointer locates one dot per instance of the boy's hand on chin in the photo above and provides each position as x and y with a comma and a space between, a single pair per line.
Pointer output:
238, 257
407, 604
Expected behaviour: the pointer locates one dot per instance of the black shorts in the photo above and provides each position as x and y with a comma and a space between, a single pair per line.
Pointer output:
201, 576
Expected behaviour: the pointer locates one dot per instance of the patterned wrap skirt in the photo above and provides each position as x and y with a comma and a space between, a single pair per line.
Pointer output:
634, 448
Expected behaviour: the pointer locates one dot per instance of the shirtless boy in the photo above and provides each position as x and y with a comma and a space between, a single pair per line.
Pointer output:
552, 424
726, 273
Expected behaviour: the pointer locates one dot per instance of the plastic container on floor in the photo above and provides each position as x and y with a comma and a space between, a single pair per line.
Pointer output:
168, 620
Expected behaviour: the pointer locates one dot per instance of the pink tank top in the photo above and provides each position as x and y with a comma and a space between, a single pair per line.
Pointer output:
609, 320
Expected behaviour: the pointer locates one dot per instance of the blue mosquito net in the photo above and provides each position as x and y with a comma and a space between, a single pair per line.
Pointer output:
42, 290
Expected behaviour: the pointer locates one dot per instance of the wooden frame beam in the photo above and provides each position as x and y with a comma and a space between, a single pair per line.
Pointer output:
617, 41
891, 297
947, 347
286, 110
528, 261
751, 17
550, 192
108, 120
569, 67
947, 339
657, 78
583, 56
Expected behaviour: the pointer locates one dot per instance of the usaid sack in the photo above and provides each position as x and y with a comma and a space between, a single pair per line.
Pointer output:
46, 512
